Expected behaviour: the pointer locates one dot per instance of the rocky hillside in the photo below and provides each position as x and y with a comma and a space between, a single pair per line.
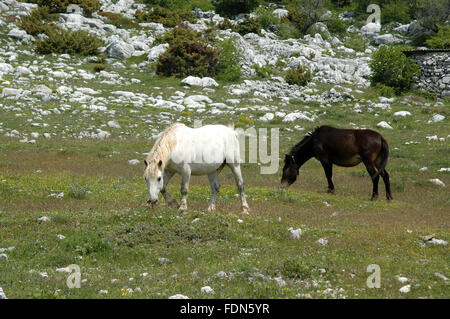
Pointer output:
47, 85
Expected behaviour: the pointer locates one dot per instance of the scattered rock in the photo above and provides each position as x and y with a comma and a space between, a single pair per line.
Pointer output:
437, 181
295, 233
43, 219
178, 296
196, 81
119, 50
322, 241
207, 290
384, 124
405, 289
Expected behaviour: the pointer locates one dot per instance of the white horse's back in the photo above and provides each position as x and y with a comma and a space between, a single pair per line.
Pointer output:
204, 149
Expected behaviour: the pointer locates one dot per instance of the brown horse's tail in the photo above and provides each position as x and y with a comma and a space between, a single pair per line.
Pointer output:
385, 153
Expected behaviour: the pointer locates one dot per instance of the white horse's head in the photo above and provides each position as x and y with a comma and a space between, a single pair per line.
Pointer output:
153, 176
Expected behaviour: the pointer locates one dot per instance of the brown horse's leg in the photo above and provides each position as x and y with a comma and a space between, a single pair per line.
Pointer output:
371, 170
328, 168
387, 184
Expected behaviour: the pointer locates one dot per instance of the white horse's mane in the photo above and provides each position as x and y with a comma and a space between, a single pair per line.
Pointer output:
161, 151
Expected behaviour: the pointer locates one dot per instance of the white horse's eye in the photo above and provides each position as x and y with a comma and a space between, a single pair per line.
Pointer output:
159, 179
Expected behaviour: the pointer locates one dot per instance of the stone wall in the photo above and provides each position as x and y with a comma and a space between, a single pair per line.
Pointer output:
434, 71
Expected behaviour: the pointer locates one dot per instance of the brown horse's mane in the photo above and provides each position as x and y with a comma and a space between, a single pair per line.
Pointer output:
297, 147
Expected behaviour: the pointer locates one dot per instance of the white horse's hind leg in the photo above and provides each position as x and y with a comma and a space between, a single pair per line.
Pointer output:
169, 200
185, 177
215, 186
236, 169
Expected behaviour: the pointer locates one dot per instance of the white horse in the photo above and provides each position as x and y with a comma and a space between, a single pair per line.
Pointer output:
187, 151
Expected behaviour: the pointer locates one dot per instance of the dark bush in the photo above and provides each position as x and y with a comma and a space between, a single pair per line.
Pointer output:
229, 8
337, 26
395, 11
188, 56
300, 75
36, 22
248, 25
391, 67
66, 41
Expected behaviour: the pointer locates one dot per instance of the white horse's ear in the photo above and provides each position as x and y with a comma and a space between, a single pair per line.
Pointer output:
145, 162
159, 163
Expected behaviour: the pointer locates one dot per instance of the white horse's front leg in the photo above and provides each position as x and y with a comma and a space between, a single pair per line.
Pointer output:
215, 186
169, 200
236, 169
185, 177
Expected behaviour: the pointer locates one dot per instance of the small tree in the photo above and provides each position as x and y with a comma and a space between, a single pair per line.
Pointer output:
391, 67
230, 8
432, 13
441, 40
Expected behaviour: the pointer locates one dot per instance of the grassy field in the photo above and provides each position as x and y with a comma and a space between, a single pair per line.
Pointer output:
115, 237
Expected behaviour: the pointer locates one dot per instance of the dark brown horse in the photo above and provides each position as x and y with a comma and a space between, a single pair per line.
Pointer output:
341, 147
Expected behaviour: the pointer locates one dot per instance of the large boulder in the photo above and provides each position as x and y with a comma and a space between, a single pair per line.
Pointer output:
384, 39
119, 50
371, 28
155, 52
196, 81
17, 34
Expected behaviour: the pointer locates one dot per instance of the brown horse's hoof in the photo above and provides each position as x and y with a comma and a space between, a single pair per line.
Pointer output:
330, 191
374, 197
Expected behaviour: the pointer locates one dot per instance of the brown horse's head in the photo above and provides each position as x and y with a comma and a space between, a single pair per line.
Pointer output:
290, 171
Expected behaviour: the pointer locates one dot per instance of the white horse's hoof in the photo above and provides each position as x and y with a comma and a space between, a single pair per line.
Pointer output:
245, 211
211, 208
182, 207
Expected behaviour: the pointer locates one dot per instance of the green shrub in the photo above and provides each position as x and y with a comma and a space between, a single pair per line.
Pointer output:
262, 72
228, 68
395, 11
229, 8
337, 26
188, 56
356, 42
35, 22
432, 13
300, 20
248, 25
66, 41
300, 75
391, 67
78, 192
98, 67
169, 18
296, 269
179, 32
287, 30
266, 17
441, 40
225, 24
385, 90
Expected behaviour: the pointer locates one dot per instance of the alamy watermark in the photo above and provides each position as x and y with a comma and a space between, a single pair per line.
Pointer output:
374, 280
74, 279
